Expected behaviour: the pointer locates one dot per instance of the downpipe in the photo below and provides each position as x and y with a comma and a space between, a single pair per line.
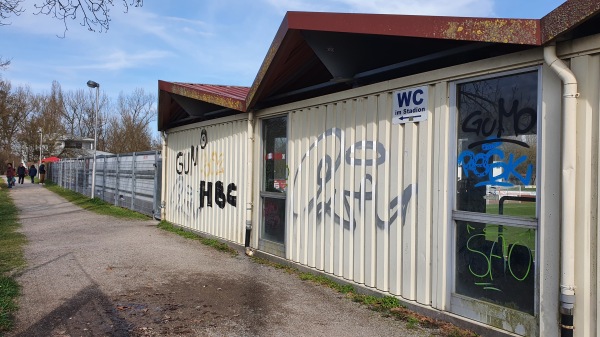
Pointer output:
569, 103
249, 184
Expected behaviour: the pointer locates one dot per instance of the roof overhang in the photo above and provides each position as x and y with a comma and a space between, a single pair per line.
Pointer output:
314, 54
185, 103
318, 53
572, 19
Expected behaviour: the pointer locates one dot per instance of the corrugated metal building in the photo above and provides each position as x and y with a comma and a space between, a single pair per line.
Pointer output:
451, 162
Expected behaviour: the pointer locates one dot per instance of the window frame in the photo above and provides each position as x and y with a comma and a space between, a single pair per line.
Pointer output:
457, 300
270, 194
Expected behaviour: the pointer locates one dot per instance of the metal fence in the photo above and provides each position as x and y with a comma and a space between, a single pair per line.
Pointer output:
131, 180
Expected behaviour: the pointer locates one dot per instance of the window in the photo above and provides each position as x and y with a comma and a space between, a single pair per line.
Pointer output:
496, 195
275, 174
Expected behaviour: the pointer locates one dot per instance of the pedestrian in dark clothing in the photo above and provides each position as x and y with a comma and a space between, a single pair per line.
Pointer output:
21, 171
10, 175
42, 173
32, 172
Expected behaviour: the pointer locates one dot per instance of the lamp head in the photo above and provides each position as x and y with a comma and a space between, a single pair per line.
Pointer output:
92, 84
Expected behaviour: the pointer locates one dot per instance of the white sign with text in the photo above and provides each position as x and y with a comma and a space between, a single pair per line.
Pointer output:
410, 105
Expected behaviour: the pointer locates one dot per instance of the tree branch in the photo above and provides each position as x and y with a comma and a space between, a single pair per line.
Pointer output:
92, 14
8, 8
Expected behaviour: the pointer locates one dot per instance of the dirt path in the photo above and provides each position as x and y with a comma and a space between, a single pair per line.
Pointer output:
93, 275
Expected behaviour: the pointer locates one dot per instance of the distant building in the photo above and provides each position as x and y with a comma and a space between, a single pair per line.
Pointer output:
76, 148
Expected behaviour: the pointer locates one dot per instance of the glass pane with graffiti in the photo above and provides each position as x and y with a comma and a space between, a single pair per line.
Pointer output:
496, 263
497, 145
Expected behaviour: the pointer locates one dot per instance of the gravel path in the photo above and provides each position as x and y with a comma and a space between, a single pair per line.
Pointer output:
94, 275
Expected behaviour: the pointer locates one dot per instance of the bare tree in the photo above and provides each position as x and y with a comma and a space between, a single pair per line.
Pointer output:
51, 110
28, 138
75, 103
89, 116
15, 107
92, 14
130, 131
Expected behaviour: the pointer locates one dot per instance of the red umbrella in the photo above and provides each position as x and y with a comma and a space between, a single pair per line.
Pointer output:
50, 160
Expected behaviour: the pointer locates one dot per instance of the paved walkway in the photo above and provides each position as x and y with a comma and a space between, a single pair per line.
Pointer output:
94, 275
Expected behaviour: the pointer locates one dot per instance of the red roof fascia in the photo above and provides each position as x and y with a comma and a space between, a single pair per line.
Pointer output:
233, 97
514, 31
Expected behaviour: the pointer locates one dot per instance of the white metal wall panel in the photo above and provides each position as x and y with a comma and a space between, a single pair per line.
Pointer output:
370, 223
357, 158
356, 210
396, 184
550, 175
587, 70
424, 201
594, 99
441, 274
383, 209
408, 241
219, 169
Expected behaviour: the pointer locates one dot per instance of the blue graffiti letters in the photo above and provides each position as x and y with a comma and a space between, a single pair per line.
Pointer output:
490, 163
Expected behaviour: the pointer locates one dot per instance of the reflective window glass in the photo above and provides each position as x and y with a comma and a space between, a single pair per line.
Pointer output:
497, 145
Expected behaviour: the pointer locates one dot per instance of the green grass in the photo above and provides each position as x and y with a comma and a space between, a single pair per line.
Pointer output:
216, 244
412, 322
524, 209
11, 257
95, 205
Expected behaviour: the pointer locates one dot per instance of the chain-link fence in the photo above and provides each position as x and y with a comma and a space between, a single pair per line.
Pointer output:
131, 180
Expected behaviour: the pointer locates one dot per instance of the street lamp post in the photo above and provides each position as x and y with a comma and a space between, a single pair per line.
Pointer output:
40, 162
93, 84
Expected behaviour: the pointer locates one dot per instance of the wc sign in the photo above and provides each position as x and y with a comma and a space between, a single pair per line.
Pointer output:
410, 105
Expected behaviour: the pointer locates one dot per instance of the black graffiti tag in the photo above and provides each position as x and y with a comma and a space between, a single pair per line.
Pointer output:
522, 122
374, 155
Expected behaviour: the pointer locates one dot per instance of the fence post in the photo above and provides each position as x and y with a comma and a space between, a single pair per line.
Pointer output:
103, 176
156, 194
71, 175
77, 177
117, 192
133, 181
80, 165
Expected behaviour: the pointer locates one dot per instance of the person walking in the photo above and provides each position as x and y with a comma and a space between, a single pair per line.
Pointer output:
21, 171
32, 172
10, 175
42, 173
